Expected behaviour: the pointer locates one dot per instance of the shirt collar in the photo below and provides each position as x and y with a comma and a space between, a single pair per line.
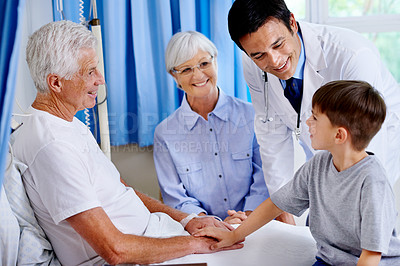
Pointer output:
302, 59
190, 117
299, 73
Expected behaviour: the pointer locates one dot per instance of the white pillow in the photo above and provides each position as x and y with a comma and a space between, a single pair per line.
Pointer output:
34, 247
9, 232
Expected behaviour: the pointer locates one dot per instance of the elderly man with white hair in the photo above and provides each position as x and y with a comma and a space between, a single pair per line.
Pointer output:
88, 213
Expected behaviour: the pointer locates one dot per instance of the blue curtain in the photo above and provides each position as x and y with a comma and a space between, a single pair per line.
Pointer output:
10, 23
135, 34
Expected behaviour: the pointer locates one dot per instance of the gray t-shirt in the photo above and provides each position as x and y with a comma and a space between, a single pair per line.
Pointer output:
350, 210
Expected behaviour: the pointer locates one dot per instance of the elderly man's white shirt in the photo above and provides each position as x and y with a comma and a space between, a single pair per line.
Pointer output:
331, 54
68, 174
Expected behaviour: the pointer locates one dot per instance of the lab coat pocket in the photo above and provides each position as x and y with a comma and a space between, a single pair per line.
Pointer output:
191, 175
243, 159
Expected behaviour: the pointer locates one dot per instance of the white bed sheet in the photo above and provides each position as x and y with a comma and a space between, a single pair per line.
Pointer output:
274, 244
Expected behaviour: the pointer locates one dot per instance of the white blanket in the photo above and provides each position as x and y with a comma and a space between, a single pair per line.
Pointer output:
274, 244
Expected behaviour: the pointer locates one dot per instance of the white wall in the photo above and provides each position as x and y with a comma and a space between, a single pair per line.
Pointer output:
37, 13
136, 167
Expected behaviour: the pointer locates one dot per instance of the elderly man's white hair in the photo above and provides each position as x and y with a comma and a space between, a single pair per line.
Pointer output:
183, 46
55, 49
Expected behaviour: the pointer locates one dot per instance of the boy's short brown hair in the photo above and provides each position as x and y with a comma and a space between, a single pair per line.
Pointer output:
354, 105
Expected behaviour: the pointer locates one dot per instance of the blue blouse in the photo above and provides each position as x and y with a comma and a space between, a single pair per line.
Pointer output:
210, 166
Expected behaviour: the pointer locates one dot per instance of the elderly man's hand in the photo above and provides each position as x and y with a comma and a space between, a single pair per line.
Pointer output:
200, 222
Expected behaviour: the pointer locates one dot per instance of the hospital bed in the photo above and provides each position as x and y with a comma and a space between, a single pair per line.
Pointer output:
22, 240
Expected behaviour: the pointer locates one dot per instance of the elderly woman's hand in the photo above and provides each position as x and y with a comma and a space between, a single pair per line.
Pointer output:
200, 222
236, 217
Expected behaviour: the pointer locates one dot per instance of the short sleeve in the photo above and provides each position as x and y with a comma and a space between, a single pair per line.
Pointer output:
378, 214
293, 197
62, 179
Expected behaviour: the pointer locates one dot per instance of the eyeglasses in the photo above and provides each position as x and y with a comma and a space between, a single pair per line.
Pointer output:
189, 70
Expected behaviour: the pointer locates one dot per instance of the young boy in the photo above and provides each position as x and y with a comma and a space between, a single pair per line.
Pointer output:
351, 203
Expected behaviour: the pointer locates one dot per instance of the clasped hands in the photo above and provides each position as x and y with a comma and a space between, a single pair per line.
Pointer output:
222, 232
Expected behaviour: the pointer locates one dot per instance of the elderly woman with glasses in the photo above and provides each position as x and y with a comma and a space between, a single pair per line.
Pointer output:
206, 154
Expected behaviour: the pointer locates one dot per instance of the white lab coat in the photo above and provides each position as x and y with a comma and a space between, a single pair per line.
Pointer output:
331, 54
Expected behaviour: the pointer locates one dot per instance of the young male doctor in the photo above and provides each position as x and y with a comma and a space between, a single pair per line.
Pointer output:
285, 63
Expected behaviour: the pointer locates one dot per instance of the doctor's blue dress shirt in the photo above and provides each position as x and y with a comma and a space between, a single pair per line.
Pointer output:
210, 166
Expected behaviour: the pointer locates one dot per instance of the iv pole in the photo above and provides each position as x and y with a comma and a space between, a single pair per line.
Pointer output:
101, 93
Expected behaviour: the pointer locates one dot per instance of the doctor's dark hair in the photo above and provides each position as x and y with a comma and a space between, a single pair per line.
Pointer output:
55, 48
247, 16
354, 105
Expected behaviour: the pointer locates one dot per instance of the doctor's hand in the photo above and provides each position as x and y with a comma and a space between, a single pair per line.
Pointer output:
225, 238
236, 217
201, 222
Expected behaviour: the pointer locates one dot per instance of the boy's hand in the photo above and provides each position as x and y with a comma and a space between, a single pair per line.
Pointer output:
235, 217
225, 238
205, 245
